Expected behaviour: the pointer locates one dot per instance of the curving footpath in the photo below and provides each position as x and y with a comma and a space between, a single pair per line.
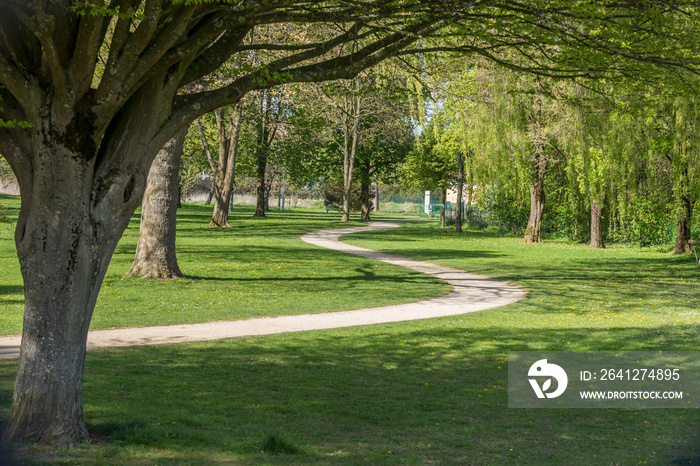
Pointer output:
471, 293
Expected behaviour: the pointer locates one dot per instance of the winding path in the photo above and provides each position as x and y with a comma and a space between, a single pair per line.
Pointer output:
470, 293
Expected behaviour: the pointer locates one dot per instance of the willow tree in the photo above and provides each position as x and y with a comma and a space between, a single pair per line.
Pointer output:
518, 125
596, 152
92, 90
672, 129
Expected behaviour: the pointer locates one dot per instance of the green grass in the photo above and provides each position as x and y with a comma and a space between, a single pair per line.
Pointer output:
423, 392
569, 286
258, 268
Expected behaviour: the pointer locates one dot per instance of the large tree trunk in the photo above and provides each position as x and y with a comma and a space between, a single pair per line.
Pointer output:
683, 227
460, 187
533, 232
596, 226
155, 253
65, 239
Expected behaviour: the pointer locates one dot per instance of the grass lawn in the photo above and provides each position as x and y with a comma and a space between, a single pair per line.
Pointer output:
258, 268
423, 392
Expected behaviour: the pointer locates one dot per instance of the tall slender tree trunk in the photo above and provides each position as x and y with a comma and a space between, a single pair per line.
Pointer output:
366, 200
460, 188
683, 227
351, 128
261, 188
266, 134
225, 168
443, 214
596, 226
364, 168
155, 253
376, 196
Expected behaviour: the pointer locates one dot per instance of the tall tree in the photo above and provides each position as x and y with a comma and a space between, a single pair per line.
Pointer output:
266, 126
229, 121
99, 88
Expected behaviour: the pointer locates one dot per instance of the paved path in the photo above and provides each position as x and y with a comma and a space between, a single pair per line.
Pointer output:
471, 293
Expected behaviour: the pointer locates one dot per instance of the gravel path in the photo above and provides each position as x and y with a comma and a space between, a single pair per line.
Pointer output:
471, 293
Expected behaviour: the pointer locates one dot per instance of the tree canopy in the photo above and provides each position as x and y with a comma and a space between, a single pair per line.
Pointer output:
91, 90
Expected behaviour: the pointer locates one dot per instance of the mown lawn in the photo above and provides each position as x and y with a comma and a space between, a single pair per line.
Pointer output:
423, 392
258, 268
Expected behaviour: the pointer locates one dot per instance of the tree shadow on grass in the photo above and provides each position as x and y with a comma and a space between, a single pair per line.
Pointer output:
352, 395
11, 289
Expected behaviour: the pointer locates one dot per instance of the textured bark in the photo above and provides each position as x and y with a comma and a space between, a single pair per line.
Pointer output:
364, 174
156, 253
683, 227
596, 226
533, 232
224, 168
64, 238
92, 136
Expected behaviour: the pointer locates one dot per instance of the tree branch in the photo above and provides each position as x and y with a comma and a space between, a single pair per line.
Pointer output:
87, 47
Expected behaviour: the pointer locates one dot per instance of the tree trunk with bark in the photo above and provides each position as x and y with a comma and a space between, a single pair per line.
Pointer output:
65, 239
212, 191
443, 214
155, 253
460, 187
364, 168
351, 130
224, 168
596, 226
533, 232
376, 197
261, 169
266, 134
683, 227
366, 200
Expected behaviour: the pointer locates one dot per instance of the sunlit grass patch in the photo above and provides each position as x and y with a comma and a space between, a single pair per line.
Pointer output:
258, 268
